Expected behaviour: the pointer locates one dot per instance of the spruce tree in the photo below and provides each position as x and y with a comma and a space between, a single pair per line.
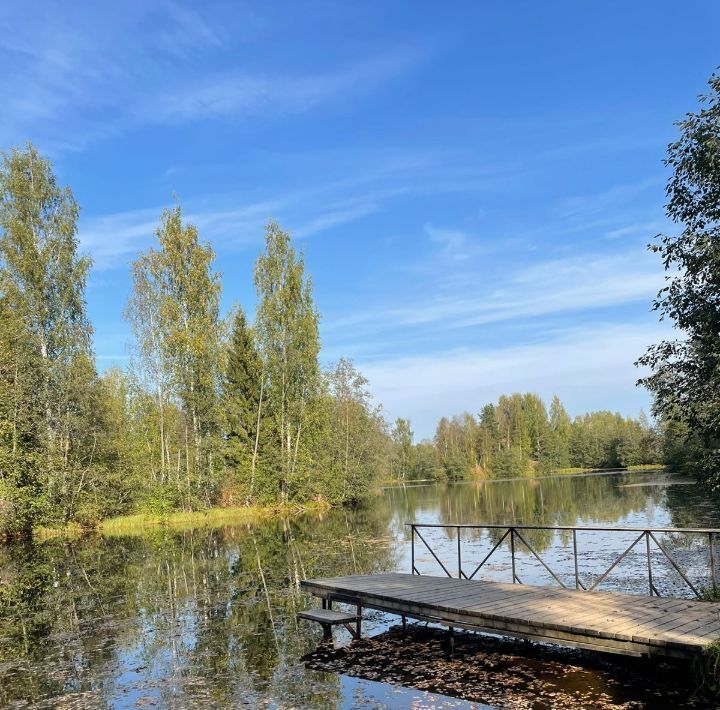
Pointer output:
243, 391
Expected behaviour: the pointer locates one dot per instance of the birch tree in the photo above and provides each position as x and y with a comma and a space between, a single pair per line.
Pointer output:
287, 330
357, 440
44, 279
174, 310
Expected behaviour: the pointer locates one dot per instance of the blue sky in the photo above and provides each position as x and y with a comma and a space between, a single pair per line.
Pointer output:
473, 184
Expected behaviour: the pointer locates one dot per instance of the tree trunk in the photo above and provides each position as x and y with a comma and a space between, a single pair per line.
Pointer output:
257, 439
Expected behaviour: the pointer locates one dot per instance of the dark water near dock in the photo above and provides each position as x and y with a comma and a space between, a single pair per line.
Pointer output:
206, 617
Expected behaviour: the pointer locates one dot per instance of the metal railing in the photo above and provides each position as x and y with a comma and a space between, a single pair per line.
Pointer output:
516, 537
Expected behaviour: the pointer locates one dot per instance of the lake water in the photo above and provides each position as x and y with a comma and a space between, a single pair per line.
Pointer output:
206, 617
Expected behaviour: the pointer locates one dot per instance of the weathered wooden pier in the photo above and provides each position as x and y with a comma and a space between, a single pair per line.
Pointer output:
581, 617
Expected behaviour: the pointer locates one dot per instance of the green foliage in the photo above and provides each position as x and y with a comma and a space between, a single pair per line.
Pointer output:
174, 312
707, 670
685, 377
402, 461
201, 419
357, 445
242, 406
289, 342
48, 439
516, 437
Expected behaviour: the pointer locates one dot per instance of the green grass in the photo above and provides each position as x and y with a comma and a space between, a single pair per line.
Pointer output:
708, 594
639, 467
141, 523
707, 670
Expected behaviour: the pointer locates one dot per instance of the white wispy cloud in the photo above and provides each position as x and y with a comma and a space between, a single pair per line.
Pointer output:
240, 94
607, 199
113, 240
231, 222
336, 217
71, 78
647, 229
453, 242
550, 287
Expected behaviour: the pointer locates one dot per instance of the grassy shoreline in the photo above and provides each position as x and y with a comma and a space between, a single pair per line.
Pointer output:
141, 523
639, 467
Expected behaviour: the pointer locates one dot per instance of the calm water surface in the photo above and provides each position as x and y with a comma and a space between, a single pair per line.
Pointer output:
206, 617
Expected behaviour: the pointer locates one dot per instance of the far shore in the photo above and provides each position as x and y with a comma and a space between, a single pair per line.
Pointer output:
651, 467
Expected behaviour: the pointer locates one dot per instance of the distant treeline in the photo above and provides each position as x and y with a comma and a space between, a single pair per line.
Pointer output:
210, 411
518, 436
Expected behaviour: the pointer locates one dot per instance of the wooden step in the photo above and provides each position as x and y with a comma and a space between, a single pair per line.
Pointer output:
328, 616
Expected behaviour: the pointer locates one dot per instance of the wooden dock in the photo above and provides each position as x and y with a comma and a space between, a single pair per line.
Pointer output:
600, 621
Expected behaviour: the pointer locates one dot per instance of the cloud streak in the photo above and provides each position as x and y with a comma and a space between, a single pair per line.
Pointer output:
550, 287
72, 78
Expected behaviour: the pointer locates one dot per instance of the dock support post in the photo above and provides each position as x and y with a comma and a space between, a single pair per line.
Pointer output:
404, 623
451, 641
713, 573
459, 551
412, 549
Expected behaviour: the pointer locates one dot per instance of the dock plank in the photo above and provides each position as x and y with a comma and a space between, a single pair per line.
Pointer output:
606, 621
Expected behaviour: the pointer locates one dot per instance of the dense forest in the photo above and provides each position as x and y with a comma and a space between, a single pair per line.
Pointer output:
518, 436
210, 411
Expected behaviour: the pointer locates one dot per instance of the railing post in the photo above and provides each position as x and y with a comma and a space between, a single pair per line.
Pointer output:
649, 562
459, 554
713, 573
512, 552
412, 549
575, 560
